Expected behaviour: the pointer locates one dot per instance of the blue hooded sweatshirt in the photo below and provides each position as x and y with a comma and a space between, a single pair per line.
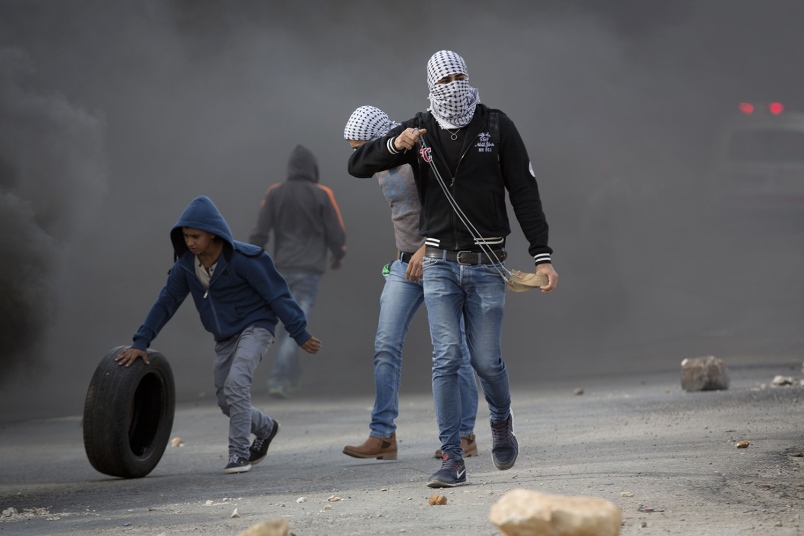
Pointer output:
245, 288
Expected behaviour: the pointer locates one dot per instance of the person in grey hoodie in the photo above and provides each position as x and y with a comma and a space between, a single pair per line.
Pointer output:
307, 224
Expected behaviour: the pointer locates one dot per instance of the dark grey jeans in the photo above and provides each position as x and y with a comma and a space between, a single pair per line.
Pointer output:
233, 372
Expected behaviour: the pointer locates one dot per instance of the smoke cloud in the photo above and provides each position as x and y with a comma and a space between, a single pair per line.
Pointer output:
52, 178
619, 104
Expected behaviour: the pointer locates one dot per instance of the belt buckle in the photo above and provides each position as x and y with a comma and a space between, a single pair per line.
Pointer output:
458, 258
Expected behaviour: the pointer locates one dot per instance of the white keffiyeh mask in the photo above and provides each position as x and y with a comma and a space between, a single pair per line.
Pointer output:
453, 104
367, 123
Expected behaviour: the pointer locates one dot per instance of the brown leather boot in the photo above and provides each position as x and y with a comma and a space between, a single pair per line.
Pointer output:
468, 447
374, 447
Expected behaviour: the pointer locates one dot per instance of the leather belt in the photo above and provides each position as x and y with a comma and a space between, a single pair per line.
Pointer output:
465, 257
405, 257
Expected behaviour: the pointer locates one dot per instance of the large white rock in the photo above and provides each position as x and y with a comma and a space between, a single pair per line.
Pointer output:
522, 512
274, 527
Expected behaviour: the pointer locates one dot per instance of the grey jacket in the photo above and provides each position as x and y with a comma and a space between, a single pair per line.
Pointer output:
304, 218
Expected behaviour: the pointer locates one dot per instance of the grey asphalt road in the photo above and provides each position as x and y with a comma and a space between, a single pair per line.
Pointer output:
667, 458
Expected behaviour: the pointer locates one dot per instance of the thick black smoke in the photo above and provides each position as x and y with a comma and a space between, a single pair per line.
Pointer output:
52, 177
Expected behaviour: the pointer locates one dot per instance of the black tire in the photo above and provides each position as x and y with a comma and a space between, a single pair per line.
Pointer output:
128, 415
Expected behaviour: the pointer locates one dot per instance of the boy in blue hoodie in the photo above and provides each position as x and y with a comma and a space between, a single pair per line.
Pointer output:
240, 297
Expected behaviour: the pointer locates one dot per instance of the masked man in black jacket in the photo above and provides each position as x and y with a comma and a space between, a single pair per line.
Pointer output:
464, 157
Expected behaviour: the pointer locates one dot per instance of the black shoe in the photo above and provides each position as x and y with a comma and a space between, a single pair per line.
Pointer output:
258, 449
505, 447
237, 464
452, 473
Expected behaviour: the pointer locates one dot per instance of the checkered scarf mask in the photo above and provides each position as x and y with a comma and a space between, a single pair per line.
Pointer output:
453, 104
367, 123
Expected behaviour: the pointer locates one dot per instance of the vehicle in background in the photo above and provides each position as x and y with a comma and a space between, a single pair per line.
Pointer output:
760, 157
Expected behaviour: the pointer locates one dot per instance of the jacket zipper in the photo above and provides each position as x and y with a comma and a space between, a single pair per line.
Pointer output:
211, 303
452, 183
210, 284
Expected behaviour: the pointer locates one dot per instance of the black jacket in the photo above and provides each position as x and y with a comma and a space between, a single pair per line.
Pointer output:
478, 187
304, 218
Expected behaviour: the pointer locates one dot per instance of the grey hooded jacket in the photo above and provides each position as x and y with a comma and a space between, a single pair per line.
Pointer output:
304, 218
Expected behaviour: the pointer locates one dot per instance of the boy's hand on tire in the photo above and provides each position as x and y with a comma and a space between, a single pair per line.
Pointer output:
129, 355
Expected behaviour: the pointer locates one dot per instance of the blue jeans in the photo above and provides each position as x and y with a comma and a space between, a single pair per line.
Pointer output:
287, 368
233, 371
398, 304
476, 293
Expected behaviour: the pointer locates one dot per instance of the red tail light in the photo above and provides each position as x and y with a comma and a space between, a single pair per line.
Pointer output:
775, 108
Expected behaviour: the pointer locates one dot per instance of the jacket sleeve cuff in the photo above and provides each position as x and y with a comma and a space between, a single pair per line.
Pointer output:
390, 145
542, 258
303, 337
140, 344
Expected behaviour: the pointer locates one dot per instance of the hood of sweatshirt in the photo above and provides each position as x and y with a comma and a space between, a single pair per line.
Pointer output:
202, 214
302, 165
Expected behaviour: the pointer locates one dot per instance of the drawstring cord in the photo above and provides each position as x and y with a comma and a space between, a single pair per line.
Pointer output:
497, 263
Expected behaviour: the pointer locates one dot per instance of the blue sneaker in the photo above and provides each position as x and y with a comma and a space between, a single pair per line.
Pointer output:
452, 473
505, 448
